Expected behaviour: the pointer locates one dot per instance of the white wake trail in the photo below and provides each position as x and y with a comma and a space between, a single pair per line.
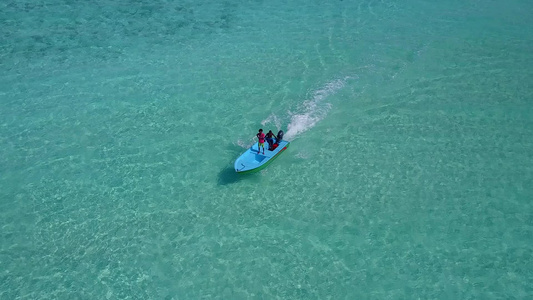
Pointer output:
313, 110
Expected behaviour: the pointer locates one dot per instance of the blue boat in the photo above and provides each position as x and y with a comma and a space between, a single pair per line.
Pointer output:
252, 160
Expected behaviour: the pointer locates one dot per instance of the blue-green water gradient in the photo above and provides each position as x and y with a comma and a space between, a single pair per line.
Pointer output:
409, 174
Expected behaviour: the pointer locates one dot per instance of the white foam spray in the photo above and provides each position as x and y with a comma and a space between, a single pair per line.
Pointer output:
272, 119
243, 144
313, 110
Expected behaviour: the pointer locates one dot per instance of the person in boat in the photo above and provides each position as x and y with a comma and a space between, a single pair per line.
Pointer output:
261, 138
279, 137
270, 139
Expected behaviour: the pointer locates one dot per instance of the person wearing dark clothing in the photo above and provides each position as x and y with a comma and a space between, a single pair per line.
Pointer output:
279, 137
270, 139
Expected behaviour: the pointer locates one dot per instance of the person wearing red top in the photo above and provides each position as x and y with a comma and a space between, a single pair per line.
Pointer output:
261, 137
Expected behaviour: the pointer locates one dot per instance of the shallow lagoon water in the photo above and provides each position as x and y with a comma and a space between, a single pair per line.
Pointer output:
409, 173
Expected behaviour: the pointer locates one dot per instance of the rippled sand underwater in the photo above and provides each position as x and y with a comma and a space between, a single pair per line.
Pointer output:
409, 172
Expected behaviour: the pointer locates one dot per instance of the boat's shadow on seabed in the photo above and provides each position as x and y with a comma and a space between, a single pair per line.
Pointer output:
228, 176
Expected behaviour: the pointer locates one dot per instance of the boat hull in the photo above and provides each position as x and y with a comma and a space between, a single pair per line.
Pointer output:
252, 160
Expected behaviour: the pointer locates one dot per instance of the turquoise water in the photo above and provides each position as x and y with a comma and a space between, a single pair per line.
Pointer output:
409, 174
